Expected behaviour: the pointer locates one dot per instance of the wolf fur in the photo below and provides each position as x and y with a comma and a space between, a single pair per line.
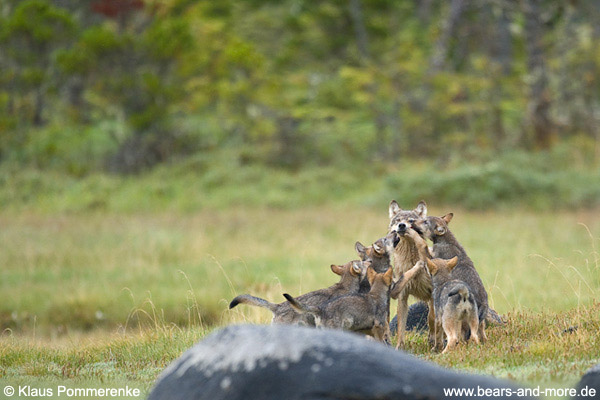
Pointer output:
350, 274
454, 305
406, 255
362, 312
446, 246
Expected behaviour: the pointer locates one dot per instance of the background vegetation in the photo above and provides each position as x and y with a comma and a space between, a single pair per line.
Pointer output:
477, 103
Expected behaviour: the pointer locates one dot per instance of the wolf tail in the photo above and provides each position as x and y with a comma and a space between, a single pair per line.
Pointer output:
253, 301
299, 307
462, 291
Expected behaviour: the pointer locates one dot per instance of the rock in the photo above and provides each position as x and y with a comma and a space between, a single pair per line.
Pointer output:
589, 381
293, 362
416, 319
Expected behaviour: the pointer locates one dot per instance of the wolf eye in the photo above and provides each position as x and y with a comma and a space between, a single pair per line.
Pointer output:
411, 220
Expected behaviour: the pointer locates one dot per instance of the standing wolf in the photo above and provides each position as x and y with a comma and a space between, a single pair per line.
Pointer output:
406, 255
455, 305
446, 246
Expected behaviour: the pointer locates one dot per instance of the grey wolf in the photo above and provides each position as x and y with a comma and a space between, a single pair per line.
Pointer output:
454, 305
379, 253
277, 362
406, 255
363, 312
446, 246
350, 274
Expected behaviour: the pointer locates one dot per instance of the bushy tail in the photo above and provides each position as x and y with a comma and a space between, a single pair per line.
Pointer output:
299, 307
253, 301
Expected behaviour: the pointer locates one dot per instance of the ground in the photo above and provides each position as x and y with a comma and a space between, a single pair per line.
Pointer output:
109, 300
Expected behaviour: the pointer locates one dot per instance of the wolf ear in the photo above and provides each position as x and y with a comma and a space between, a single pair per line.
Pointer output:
387, 277
440, 230
451, 263
421, 209
356, 269
394, 209
431, 267
379, 246
448, 217
337, 269
361, 250
371, 275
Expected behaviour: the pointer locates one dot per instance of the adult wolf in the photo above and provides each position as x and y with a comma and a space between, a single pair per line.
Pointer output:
406, 255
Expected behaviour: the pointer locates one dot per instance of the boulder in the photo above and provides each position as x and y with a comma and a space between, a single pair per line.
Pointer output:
292, 362
590, 380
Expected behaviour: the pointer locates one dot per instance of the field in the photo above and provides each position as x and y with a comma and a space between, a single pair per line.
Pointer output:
109, 299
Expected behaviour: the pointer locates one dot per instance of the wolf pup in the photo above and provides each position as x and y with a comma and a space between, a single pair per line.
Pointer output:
379, 253
360, 312
363, 312
446, 246
454, 304
350, 274
406, 255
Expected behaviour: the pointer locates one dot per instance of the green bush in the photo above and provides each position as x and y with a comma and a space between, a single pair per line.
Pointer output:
540, 181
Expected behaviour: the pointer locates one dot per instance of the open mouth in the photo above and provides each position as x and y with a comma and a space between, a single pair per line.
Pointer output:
417, 229
396, 240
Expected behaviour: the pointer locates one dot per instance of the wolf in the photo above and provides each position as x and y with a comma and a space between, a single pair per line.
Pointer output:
380, 252
351, 274
446, 246
406, 255
454, 304
363, 312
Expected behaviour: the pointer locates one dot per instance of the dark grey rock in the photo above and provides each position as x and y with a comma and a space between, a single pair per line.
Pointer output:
590, 380
416, 319
293, 362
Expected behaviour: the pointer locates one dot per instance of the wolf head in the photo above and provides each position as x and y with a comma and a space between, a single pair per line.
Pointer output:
431, 227
439, 265
401, 219
379, 252
352, 271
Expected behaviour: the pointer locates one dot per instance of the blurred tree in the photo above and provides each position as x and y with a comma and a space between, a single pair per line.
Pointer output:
293, 82
135, 65
540, 97
29, 36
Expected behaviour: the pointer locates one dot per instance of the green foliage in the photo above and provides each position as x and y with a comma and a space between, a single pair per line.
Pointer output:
539, 181
219, 179
293, 84
37, 24
75, 150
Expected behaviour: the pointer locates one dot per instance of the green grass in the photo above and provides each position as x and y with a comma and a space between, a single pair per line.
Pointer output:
546, 348
95, 360
110, 298
558, 179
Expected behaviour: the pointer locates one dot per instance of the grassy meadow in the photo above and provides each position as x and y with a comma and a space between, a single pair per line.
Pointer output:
109, 298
